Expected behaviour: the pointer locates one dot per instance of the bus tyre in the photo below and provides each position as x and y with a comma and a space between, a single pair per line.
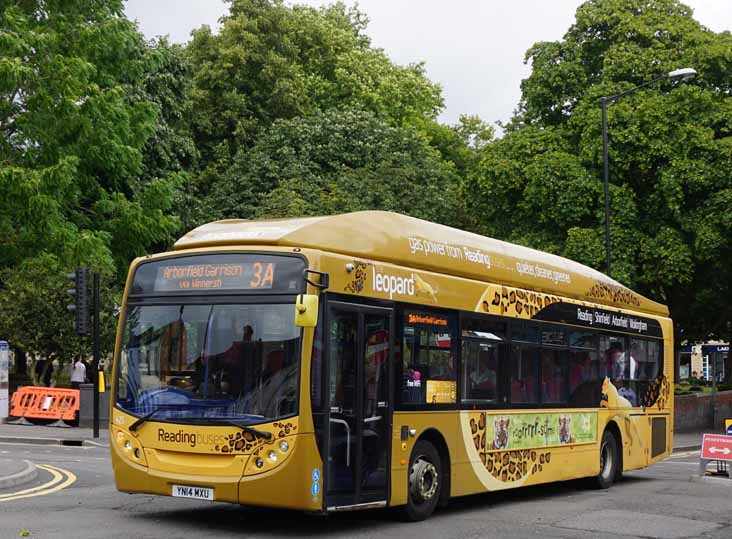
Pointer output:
425, 480
609, 460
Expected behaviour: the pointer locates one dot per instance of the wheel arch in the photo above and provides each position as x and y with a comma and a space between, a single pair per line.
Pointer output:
436, 438
613, 427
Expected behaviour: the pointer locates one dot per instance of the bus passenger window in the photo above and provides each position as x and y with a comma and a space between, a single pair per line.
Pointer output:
524, 370
429, 371
482, 347
638, 359
553, 376
654, 360
620, 366
585, 383
480, 368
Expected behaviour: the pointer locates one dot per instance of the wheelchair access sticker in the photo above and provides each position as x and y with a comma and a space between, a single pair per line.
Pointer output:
315, 487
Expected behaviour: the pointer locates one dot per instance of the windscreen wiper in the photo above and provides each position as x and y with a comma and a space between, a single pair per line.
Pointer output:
250, 430
147, 416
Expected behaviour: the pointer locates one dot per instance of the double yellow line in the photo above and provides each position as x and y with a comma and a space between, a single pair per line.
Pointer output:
61, 479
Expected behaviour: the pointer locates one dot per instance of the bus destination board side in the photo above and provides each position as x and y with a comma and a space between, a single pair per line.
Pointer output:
569, 313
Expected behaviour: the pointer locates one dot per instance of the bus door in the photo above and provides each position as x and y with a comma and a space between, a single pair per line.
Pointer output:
359, 412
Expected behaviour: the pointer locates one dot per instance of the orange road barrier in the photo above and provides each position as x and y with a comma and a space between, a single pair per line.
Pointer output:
45, 403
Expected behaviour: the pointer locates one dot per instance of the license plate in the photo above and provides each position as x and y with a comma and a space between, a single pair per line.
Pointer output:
197, 493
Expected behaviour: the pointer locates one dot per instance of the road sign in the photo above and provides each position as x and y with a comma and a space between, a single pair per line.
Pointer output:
728, 427
716, 447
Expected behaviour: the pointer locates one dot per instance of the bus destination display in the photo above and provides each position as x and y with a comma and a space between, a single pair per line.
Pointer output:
219, 276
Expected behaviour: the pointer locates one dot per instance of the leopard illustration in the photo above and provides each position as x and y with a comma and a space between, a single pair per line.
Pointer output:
657, 392
613, 292
359, 277
243, 442
510, 301
506, 465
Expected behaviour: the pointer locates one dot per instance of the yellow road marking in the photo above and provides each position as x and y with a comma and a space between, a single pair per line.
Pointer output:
61, 479
57, 477
685, 454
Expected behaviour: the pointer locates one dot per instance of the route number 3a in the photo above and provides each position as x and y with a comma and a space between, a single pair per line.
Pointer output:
263, 275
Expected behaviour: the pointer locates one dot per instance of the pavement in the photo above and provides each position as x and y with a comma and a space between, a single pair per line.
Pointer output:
14, 472
688, 441
48, 435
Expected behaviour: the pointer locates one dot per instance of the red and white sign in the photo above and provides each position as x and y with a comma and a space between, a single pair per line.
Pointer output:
716, 447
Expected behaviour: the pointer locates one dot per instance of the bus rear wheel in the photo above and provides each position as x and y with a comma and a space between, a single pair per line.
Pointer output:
609, 461
425, 481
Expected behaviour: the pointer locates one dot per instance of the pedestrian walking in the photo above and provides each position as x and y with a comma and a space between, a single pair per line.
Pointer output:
78, 373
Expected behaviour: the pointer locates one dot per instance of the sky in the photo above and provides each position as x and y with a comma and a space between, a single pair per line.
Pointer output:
473, 48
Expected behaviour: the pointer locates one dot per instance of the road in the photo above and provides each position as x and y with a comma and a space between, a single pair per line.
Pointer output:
657, 502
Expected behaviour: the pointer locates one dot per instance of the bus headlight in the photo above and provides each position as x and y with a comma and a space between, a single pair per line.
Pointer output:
259, 462
272, 456
284, 446
128, 445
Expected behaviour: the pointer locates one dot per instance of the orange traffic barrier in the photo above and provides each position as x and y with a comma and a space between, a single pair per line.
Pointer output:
45, 403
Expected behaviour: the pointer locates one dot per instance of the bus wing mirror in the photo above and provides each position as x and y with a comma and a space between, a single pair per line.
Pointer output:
306, 310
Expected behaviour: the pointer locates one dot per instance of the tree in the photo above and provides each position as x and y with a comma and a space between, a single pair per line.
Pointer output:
33, 304
670, 157
74, 120
338, 161
273, 62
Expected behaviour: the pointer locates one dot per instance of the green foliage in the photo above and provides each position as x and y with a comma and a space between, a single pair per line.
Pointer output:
108, 143
669, 150
334, 162
271, 62
80, 96
33, 303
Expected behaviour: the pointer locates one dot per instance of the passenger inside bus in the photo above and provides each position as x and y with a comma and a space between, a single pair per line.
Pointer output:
553, 385
482, 380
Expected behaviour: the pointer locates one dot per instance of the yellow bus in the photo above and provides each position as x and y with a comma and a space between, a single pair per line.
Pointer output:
372, 359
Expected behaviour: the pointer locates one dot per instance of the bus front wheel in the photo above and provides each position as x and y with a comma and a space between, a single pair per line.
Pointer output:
609, 461
425, 481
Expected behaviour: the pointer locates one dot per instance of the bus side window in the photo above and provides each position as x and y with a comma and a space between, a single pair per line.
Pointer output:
585, 381
553, 375
482, 350
654, 364
524, 374
646, 355
621, 366
524, 364
429, 370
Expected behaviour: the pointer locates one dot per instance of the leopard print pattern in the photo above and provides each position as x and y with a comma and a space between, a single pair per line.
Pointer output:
359, 278
509, 465
243, 442
614, 293
515, 302
657, 392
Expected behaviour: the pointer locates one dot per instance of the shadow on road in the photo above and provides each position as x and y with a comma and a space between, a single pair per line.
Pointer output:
279, 522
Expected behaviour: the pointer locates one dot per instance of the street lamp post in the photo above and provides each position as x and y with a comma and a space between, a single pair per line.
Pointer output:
683, 74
